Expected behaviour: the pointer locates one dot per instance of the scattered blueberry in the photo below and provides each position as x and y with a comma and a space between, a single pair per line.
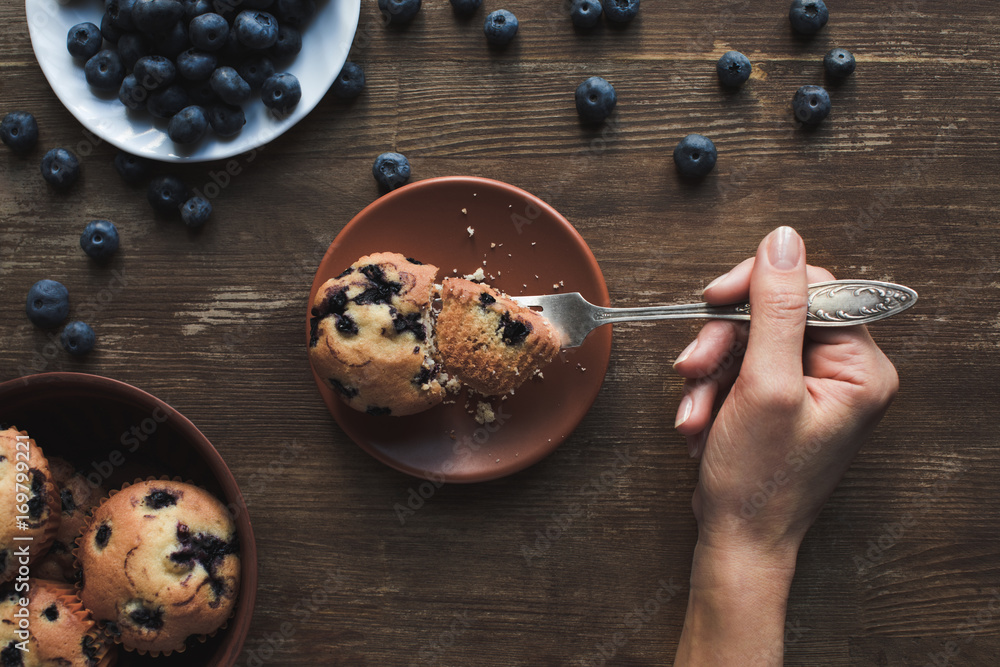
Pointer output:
132, 168
60, 168
77, 338
733, 69
172, 42
695, 155
620, 11
132, 94
167, 102
281, 92
166, 193
120, 12
19, 131
839, 63
229, 86
500, 27
350, 82
391, 170
466, 8
585, 13
196, 65
84, 40
105, 71
131, 47
226, 120
255, 71
399, 11
288, 44
257, 30
295, 12
99, 239
48, 303
188, 126
195, 212
595, 99
811, 104
208, 32
808, 16
108, 29
151, 16
154, 72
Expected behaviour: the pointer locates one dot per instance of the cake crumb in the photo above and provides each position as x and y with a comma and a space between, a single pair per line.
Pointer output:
538, 374
469, 228
474, 194
493, 245
484, 413
451, 434
465, 211
454, 270
583, 369
484, 262
555, 285
476, 277
532, 243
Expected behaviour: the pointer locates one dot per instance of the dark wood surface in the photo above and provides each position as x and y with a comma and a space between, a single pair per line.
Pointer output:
900, 183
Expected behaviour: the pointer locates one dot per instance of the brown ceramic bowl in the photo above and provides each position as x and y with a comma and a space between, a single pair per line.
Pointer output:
117, 433
528, 248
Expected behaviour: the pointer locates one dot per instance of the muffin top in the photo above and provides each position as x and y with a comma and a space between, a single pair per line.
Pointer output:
372, 337
490, 342
160, 562
23, 466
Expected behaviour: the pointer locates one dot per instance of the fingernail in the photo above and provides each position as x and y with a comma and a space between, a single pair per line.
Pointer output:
684, 410
687, 352
783, 249
716, 281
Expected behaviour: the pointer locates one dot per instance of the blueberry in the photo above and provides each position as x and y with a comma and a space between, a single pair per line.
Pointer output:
77, 338
60, 168
208, 32
226, 120
188, 126
172, 42
733, 69
109, 30
195, 212
466, 8
595, 99
391, 170
255, 71
585, 13
257, 30
234, 48
811, 104
48, 303
201, 93
620, 11
808, 16
281, 92
500, 27
19, 131
229, 86
131, 94
695, 156
120, 12
350, 82
99, 239
839, 63
196, 65
167, 102
131, 168
399, 12
193, 8
295, 12
154, 72
289, 43
84, 40
155, 16
105, 71
166, 193
131, 47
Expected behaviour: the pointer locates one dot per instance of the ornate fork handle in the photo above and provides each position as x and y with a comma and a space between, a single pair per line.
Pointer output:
834, 303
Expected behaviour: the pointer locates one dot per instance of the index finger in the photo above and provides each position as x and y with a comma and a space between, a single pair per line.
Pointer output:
734, 287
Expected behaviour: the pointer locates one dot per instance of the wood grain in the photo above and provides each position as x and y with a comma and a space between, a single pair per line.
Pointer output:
899, 183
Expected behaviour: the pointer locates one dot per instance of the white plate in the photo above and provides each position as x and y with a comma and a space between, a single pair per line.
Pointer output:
325, 45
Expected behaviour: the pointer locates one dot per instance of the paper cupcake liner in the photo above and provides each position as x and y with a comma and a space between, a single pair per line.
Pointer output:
78, 586
105, 656
39, 547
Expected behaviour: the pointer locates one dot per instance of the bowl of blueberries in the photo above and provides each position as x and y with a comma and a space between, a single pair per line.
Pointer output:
191, 80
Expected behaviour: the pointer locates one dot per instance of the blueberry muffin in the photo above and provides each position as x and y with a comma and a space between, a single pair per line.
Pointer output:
23, 463
77, 496
62, 632
372, 338
488, 341
160, 564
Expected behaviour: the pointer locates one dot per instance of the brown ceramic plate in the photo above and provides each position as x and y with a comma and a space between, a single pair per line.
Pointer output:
115, 433
528, 247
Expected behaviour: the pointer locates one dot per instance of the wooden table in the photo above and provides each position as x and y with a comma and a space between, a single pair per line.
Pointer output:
900, 183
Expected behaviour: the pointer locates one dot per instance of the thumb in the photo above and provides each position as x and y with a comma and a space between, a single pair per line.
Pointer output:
778, 301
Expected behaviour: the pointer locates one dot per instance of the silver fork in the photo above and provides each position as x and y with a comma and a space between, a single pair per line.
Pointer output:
834, 303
